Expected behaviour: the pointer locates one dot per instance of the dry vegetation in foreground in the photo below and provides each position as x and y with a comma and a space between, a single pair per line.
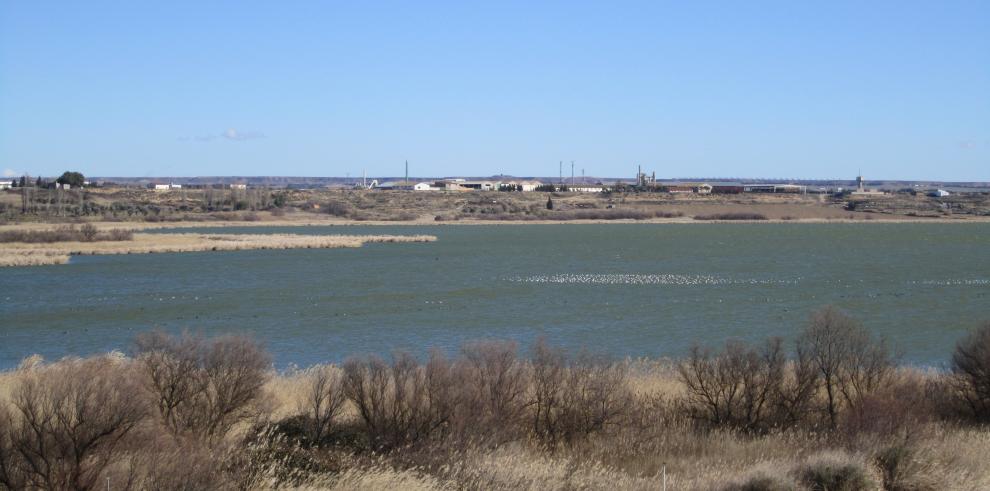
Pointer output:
832, 412
33, 254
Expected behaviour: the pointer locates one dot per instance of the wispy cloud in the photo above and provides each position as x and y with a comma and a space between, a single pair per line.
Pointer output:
233, 134
230, 134
10, 173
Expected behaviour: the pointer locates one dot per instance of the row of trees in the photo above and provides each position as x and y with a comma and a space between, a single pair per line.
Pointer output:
834, 366
72, 178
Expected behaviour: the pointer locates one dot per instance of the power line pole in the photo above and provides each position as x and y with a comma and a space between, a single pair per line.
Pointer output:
560, 173
572, 173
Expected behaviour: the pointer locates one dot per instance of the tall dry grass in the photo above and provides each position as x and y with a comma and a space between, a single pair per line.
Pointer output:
33, 254
197, 413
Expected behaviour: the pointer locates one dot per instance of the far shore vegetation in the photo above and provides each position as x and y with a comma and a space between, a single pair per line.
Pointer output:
72, 199
55, 246
831, 410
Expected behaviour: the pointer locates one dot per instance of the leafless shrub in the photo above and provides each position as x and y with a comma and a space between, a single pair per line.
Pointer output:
571, 399
402, 402
732, 216
900, 407
337, 209
737, 387
595, 396
797, 395
970, 367
548, 373
203, 388
86, 233
851, 364
324, 401
119, 234
67, 425
495, 383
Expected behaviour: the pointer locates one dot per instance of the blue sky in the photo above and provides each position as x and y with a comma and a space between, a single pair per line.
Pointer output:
789, 89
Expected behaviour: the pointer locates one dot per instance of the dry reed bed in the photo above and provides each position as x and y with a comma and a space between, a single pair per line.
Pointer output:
200, 413
944, 456
25, 254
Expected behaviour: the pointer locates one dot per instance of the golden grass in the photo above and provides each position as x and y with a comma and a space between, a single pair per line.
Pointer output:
23, 254
943, 456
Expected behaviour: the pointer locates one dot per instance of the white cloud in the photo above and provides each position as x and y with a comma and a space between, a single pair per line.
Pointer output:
234, 134
10, 173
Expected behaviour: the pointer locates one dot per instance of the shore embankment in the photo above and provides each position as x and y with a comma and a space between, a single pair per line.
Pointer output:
429, 221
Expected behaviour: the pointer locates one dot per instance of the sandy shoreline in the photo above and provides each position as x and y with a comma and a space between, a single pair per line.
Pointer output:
25, 254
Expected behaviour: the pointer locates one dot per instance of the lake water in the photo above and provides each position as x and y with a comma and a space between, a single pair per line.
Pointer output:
625, 289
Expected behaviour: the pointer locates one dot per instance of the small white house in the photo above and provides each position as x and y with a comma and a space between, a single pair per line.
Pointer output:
238, 186
6, 184
167, 187
940, 193
520, 185
586, 189
423, 186
530, 185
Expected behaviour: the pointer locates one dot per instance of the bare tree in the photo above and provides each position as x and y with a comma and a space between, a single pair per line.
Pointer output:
970, 366
496, 382
548, 373
798, 389
324, 401
850, 362
737, 387
366, 384
68, 424
595, 396
401, 403
203, 387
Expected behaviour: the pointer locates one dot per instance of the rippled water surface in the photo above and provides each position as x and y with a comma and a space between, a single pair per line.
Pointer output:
636, 289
